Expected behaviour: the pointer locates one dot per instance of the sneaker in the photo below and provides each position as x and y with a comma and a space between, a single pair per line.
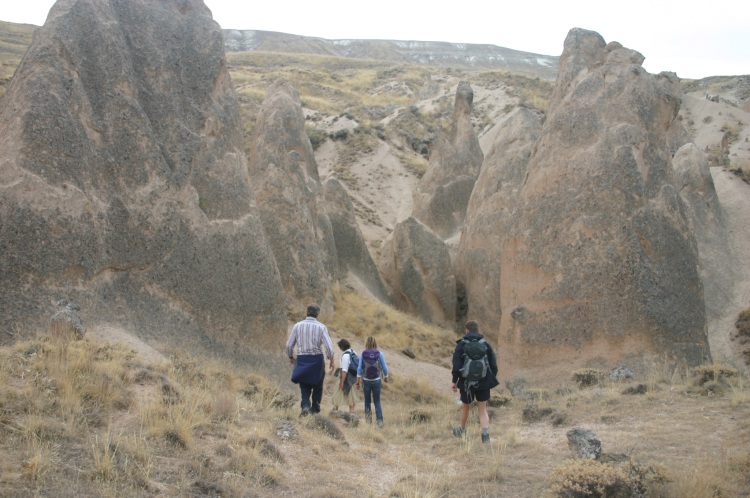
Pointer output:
380, 423
458, 431
305, 412
485, 436
368, 417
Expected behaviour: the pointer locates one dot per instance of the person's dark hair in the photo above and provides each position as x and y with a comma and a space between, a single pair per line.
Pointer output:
313, 310
344, 344
472, 326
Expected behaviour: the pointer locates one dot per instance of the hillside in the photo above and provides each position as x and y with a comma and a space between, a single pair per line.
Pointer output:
429, 53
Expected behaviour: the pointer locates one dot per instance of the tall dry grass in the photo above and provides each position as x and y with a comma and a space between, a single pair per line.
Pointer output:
203, 426
357, 316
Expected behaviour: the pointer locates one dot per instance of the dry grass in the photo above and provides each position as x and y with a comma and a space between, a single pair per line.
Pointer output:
357, 316
206, 427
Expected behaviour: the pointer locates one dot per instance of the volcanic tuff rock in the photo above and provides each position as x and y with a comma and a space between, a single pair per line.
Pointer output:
123, 182
598, 256
708, 221
441, 196
352, 254
290, 198
489, 213
416, 267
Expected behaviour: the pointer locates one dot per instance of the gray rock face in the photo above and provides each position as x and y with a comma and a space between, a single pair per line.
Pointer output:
708, 221
352, 254
598, 254
584, 443
123, 182
67, 320
441, 196
290, 198
416, 267
490, 210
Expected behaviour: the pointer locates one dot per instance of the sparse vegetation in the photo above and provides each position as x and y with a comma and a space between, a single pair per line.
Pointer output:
93, 419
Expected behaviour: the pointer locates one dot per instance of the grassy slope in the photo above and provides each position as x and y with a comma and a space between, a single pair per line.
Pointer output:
90, 419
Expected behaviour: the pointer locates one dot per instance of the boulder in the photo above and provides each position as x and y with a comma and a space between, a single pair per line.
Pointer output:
621, 373
66, 322
416, 268
352, 255
442, 194
584, 443
598, 256
123, 181
291, 199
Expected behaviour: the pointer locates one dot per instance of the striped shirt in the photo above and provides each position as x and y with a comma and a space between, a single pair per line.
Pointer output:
311, 337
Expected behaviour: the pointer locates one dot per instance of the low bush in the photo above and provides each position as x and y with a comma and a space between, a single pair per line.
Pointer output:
589, 479
588, 377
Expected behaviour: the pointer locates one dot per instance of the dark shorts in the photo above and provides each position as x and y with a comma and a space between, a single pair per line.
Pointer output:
480, 395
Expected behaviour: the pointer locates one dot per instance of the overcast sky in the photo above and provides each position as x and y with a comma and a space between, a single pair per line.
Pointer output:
694, 39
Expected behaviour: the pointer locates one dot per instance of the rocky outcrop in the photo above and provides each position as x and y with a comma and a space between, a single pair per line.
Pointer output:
416, 267
123, 181
441, 196
490, 211
290, 198
352, 255
598, 259
709, 224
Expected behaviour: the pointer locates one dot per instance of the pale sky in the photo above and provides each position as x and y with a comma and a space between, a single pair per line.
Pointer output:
692, 38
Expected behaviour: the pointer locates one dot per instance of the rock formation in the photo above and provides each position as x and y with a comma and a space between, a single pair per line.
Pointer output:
290, 197
598, 259
352, 255
123, 182
416, 267
489, 213
441, 196
708, 221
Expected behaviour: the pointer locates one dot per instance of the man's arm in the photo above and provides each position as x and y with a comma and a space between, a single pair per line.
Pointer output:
328, 346
290, 342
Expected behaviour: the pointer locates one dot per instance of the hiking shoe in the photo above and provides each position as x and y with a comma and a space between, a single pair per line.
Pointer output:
305, 412
368, 417
485, 436
458, 431
380, 423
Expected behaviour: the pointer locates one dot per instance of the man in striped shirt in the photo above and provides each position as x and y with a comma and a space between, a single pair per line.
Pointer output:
311, 338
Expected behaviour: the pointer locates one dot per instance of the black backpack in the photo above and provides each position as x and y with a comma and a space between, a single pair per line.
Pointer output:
476, 363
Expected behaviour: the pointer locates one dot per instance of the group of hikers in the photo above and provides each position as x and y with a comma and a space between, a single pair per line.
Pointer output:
474, 371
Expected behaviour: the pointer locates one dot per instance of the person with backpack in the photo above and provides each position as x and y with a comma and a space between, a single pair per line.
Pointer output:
312, 341
343, 394
371, 371
474, 375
